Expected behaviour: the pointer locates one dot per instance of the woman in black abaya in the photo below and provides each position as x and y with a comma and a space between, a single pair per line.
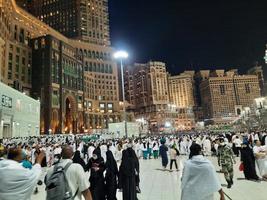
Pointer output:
111, 176
127, 175
97, 182
248, 160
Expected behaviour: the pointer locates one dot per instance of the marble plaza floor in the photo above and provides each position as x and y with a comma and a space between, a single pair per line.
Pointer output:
164, 185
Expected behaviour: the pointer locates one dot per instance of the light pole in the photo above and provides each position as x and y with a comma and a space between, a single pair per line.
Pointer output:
120, 55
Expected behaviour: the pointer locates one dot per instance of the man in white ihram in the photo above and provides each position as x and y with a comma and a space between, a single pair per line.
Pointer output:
17, 182
199, 179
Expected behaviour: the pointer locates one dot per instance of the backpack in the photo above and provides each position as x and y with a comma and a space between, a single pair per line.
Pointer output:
57, 186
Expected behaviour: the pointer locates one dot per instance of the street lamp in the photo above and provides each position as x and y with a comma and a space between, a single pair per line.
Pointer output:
121, 55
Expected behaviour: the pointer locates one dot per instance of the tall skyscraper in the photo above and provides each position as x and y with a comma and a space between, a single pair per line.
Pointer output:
85, 20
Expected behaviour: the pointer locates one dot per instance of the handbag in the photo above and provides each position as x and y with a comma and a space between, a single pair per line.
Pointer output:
241, 167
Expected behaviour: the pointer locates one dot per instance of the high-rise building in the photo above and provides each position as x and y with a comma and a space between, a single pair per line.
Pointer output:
85, 20
58, 84
104, 96
24, 35
16, 28
147, 91
181, 89
225, 94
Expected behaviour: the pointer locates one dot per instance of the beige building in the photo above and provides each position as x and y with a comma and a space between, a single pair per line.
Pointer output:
17, 28
181, 89
101, 89
2, 45
224, 94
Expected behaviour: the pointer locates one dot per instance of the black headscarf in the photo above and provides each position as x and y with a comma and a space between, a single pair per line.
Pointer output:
97, 152
129, 162
111, 163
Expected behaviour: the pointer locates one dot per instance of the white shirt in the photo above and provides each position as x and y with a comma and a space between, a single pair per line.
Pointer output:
16, 181
76, 177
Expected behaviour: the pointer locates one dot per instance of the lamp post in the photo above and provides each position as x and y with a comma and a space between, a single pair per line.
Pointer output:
121, 55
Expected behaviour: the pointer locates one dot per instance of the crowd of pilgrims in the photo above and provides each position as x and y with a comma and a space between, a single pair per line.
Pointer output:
107, 155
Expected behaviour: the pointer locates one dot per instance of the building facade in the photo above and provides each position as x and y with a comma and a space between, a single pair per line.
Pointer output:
147, 86
258, 70
181, 89
101, 88
13, 109
58, 83
17, 28
156, 97
224, 94
85, 20
65, 99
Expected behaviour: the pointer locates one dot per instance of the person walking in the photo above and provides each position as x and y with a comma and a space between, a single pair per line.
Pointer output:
199, 178
111, 176
173, 157
74, 176
260, 153
128, 173
97, 167
155, 150
226, 161
163, 153
248, 160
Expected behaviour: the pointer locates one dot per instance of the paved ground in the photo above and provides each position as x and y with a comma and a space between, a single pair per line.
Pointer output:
163, 185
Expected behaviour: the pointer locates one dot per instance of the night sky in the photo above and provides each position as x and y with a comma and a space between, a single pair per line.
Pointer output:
191, 34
